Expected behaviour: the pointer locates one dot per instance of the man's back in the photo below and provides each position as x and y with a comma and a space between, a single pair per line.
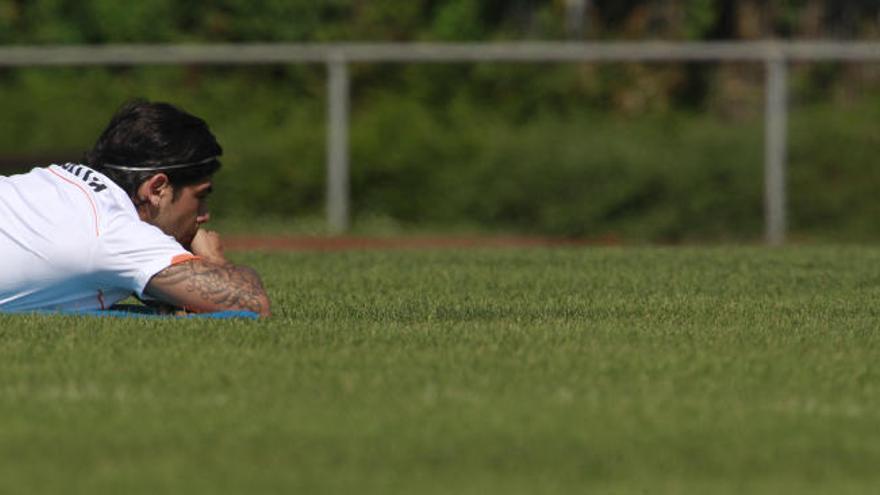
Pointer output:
71, 239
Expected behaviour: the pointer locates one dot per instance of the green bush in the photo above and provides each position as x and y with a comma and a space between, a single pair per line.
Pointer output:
833, 172
668, 177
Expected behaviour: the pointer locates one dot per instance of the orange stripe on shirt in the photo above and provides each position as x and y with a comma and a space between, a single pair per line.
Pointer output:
91, 202
183, 258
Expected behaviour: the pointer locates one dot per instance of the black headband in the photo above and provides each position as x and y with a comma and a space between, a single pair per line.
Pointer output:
150, 168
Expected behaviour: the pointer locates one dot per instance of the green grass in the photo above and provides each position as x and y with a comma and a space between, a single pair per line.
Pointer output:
618, 370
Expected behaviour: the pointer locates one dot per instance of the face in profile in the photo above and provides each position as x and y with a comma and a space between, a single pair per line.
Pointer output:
180, 215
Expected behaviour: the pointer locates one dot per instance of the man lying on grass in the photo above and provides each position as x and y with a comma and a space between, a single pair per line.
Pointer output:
79, 237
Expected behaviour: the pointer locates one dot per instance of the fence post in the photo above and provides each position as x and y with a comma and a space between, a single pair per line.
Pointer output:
575, 13
775, 124
337, 145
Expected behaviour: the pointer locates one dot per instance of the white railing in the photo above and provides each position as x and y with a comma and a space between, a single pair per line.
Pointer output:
336, 56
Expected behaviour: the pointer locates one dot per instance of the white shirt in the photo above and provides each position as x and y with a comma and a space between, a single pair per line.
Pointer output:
71, 239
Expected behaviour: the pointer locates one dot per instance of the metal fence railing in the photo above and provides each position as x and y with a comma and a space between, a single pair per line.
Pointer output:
336, 56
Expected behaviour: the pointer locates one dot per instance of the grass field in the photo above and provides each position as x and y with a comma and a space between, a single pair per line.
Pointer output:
609, 370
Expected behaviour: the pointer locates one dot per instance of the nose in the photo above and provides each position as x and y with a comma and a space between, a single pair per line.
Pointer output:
203, 218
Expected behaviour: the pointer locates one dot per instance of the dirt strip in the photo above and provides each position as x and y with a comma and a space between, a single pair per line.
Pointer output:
286, 243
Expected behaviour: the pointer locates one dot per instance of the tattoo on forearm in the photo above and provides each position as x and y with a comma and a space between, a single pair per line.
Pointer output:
230, 286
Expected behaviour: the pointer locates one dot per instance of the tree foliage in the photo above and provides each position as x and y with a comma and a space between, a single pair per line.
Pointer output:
105, 21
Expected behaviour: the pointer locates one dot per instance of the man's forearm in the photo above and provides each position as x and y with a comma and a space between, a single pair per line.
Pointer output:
206, 286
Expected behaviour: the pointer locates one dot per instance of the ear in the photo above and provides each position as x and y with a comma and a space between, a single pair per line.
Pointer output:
152, 189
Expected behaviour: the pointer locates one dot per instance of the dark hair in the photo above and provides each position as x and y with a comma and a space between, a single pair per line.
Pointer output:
150, 135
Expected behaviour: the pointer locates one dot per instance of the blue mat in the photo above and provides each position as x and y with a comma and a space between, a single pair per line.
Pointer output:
219, 315
137, 311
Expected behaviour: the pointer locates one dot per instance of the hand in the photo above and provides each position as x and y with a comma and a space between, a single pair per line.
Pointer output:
207, 245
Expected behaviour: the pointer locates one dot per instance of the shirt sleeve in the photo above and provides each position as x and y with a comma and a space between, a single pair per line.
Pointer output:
131, 252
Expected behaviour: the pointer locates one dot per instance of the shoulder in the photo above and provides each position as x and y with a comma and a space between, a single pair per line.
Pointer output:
53, 203
93, 182
109, 201
85, 176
